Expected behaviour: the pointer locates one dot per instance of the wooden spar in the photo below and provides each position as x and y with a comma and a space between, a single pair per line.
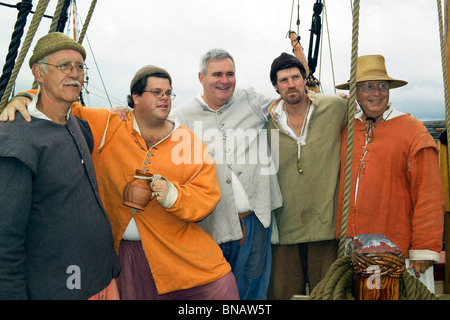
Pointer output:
300, 54
74, 21
446, 288
298, 50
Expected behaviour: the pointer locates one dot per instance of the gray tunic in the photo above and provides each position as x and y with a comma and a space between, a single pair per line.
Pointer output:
237, 137
55, 237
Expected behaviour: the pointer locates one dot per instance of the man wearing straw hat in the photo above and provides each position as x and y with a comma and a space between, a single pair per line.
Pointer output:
55, 237
397, 187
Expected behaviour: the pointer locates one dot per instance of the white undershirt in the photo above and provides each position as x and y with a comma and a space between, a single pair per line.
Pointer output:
33, 110
282, 119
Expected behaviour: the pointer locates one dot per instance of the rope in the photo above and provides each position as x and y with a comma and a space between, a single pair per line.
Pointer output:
328, 288
64, 16
298, 18
24, 8
325, 14
350, 129
444, 71
80, 40
56, 16
86, 23
93, 57
412, 288
40, 10
338, 284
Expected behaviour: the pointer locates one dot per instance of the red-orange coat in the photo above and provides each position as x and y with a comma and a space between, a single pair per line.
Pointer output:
180, 253
400, 192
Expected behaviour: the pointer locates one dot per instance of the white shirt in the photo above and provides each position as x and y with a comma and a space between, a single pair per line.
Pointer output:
282, 119
33, 110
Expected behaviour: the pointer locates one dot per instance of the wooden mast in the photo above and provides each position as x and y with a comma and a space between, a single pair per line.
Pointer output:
74, 13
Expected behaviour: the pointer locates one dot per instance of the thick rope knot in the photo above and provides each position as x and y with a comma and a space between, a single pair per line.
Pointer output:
388, 264
24, 6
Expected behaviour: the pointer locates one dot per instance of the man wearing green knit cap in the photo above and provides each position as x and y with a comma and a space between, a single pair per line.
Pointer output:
55, 236
52, 42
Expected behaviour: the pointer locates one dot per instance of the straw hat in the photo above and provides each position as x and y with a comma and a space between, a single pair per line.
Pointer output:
372, 68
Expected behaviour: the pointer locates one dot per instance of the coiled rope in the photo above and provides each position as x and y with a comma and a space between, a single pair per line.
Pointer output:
337, 284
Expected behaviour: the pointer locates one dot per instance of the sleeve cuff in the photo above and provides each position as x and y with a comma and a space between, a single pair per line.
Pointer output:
170, 197
424, 255
171, 194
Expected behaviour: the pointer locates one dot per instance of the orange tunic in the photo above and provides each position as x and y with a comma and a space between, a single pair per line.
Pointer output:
180, 253
400, 192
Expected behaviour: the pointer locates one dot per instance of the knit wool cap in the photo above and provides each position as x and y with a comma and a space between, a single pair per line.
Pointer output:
284, 61
146, 72
52, 42
372, 68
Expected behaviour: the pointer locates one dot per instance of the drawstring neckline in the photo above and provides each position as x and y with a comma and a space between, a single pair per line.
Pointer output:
302, 131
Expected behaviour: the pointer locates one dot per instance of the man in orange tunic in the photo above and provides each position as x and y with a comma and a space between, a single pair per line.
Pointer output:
397, 187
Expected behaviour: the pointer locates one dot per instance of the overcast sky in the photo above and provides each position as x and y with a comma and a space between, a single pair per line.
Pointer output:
123, 36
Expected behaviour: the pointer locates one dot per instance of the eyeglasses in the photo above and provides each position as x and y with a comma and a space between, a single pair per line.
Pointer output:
158, 93
369, 87
67, 67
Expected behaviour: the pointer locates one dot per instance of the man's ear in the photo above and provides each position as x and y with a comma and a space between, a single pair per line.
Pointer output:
276, 89
200, 77
37, 71
136, 98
